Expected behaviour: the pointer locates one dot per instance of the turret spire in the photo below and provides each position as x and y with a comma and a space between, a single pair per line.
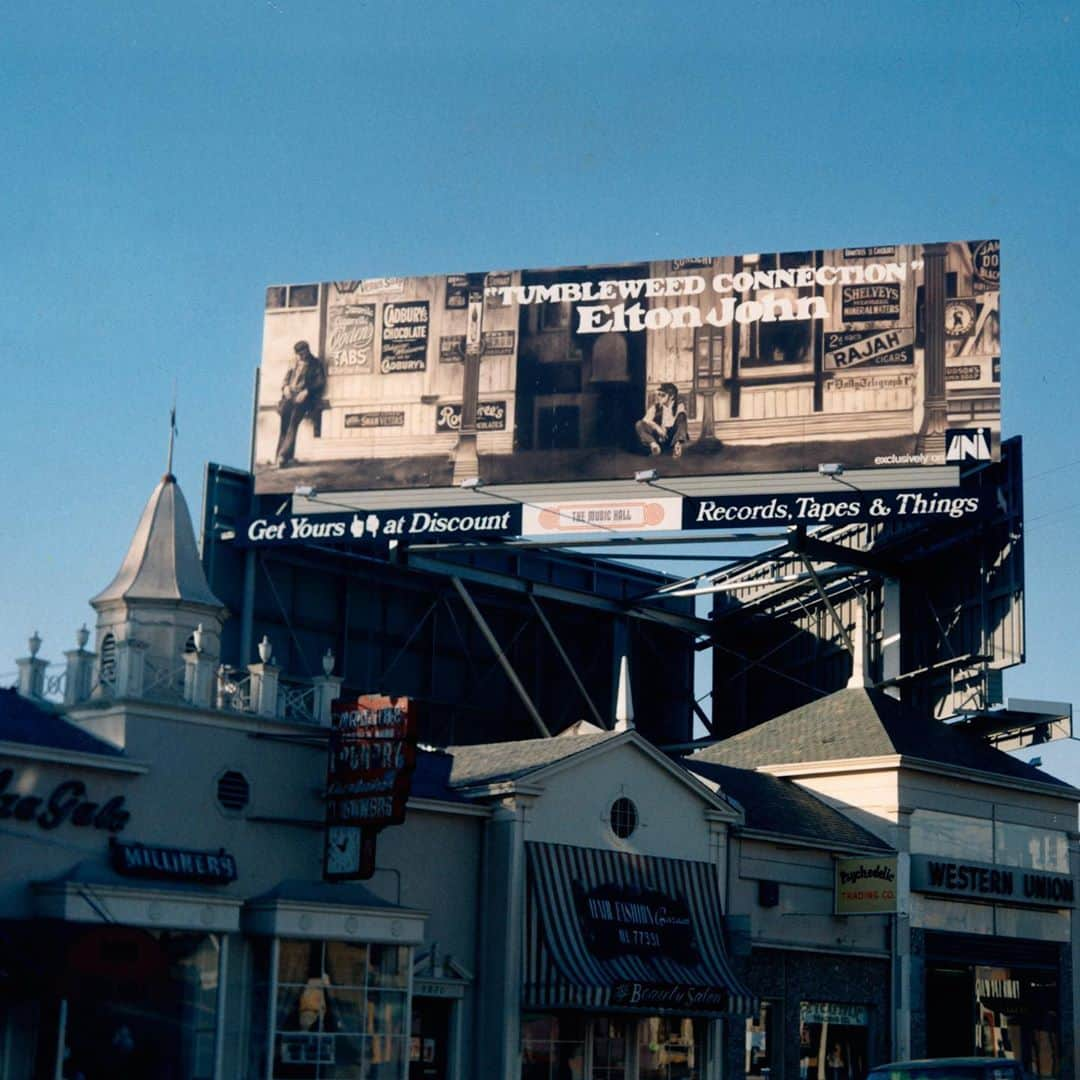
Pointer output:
172, 431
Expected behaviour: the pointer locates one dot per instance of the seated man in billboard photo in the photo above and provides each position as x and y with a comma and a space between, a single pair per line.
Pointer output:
301, 393
663, 427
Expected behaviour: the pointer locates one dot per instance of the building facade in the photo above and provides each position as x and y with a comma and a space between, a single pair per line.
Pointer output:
164, 913
984, 937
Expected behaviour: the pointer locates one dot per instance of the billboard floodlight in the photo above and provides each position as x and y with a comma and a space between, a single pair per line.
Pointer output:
471, 482
831, 468
643, 476
307, 491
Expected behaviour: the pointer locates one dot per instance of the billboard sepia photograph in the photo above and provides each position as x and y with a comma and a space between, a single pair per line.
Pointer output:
771, 362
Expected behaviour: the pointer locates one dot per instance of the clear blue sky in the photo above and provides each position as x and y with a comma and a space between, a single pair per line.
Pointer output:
164, 162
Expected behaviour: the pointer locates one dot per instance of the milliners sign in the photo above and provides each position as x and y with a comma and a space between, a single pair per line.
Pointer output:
537, 382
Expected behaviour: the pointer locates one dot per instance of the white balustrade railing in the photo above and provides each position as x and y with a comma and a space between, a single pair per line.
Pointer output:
234, 690
162, 680
55, 683
298, 700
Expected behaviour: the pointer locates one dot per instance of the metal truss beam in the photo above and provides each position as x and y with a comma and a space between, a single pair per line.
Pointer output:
566, 659
686, 623
845, 636
507, 667
823, 551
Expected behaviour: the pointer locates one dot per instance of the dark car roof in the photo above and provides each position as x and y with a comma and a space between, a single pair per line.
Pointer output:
934, 1064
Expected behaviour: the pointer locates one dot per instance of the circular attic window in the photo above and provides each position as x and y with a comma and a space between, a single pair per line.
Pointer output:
623, 817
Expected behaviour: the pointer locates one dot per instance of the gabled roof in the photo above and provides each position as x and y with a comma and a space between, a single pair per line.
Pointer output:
472, 770
784, 808
301, 891
864, 723
24, 721
162, 562
493, 763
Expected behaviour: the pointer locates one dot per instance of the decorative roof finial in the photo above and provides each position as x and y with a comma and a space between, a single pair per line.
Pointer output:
172, 431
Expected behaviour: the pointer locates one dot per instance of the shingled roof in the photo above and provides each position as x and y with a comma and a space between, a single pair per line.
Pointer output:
492, 763
162, 562
24, 721
783, 808
864, 723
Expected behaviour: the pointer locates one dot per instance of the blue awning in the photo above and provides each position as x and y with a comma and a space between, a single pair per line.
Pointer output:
613, 930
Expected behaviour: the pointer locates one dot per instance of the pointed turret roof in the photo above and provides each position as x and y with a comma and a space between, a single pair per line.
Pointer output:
162, 562
863, 723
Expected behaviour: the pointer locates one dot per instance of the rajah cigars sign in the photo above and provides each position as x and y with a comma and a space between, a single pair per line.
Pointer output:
372, 756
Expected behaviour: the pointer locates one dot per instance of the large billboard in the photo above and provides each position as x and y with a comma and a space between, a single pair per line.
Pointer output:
775, 362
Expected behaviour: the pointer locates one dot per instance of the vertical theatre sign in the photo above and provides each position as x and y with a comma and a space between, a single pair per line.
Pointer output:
372, 757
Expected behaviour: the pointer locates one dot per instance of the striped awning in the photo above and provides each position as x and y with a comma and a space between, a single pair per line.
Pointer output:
611, 930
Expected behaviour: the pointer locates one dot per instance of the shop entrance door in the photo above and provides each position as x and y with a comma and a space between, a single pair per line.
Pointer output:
430, 1043
950, 1018
609, 1048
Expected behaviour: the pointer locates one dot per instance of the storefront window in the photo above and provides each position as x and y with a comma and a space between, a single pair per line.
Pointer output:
609, 1045
759, 1042
984, 840
1013, 1013
574, 1046
832, 1041
552, 1047
671, 1048
1032, 849
952, 835
141, 1003
1017, 1017
340, 1010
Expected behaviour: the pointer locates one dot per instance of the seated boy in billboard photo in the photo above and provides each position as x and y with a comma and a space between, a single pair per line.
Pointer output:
663, 427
